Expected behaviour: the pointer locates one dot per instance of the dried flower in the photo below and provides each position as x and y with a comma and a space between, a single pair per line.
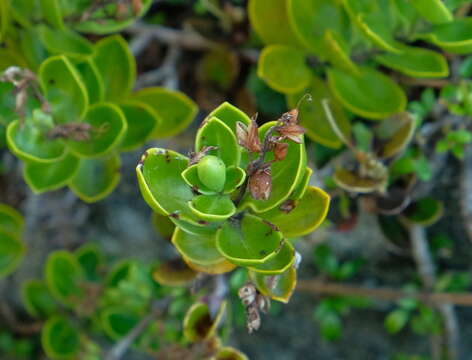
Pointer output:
248, 137
280, 151
137, 5
260, 182
253, 302
195, 157
289, 129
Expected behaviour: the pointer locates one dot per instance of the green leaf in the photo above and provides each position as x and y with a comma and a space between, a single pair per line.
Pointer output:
60, 339
230, 115
198, 324
307, 213
285, 175
435, 11
404, 128
4, 17
63, 89
91, 260
201, 250
283, 68
212, 207
161, 183
311, 19
371, 94
331, 326
337, 53
32, 48
214, 132
229, 353
175, 109
270, 21
52, 13
64, 277
350, 181
218, 68
278, 288
96, 178
454, 37
235, 177
37, 298
11, 220
117, 321
43, 177
12, 251
190, 176
425, 211
314, 119
163, 225
248, 241
108, 127
91, 78
416, 62
396, 320
64, 41
141, 120
173, 273
302, 186
116, 65
118, 273
279, 263
30, 143
102, 23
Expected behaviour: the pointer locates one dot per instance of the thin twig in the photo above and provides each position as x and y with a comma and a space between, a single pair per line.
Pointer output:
166, 73
121, 347
14, 324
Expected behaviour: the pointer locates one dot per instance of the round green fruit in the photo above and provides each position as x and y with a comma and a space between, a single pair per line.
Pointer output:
212, 172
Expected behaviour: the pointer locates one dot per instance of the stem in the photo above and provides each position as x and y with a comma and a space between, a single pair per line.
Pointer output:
334, 125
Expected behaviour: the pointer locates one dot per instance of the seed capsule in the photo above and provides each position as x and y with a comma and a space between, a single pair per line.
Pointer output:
212, 172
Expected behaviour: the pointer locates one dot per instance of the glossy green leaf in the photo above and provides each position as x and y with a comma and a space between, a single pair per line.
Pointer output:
403, 127
270, 21
64, 277
235, 177
248, 241
37, 299
416, 62
161, 183
102, 23
116, 66
313, 118
435, 11
229, 353
8, 57
175, 109
12, 251
283, 68
52, 13
118, 273
64, 41
230, 115
30, 143
371, 94
4, 17
198, 324
221, 267
214, 132
173, 273
285, 175
60, 339
32, 48
218, 68
190, 176
337, 53
350, 181
311, 19
141, 120
91, 260
425, 211
11, 220
454, 37
279, 288
277, 264
305, 216
302, 186
96, 178
199, 249
212, 207
108, 127
163, 225
26, 11
117, 322
43, 177
91, 78
63, 89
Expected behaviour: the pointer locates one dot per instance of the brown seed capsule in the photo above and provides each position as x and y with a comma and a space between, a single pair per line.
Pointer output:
260, 183
280, 151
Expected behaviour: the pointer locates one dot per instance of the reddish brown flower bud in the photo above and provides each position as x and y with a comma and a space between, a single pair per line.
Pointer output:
260, 183
292, 132
248, 137
137, 5
280, 151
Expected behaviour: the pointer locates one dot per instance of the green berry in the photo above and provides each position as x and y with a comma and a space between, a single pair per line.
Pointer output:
212, 172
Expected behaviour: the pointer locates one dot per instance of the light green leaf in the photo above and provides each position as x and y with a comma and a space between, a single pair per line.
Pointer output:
52, 13
11, 220
173, 273
12, 251
117, 322
37, 298
91, 78
279, 288
454, 37
435, 11
60, 339
198, 324
277, 264
212, 207
64, 41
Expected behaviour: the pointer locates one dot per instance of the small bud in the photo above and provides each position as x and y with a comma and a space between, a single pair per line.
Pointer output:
260, 183
248, 137
212, 172
280, 151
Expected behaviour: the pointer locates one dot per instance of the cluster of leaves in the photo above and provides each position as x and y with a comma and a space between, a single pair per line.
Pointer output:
82, 299
70, 116
12, 249
239, 198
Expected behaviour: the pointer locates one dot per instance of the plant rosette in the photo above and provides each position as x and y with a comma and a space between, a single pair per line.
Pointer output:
239, 197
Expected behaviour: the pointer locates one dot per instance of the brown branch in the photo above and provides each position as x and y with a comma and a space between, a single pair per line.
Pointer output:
14, 324
317, 287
